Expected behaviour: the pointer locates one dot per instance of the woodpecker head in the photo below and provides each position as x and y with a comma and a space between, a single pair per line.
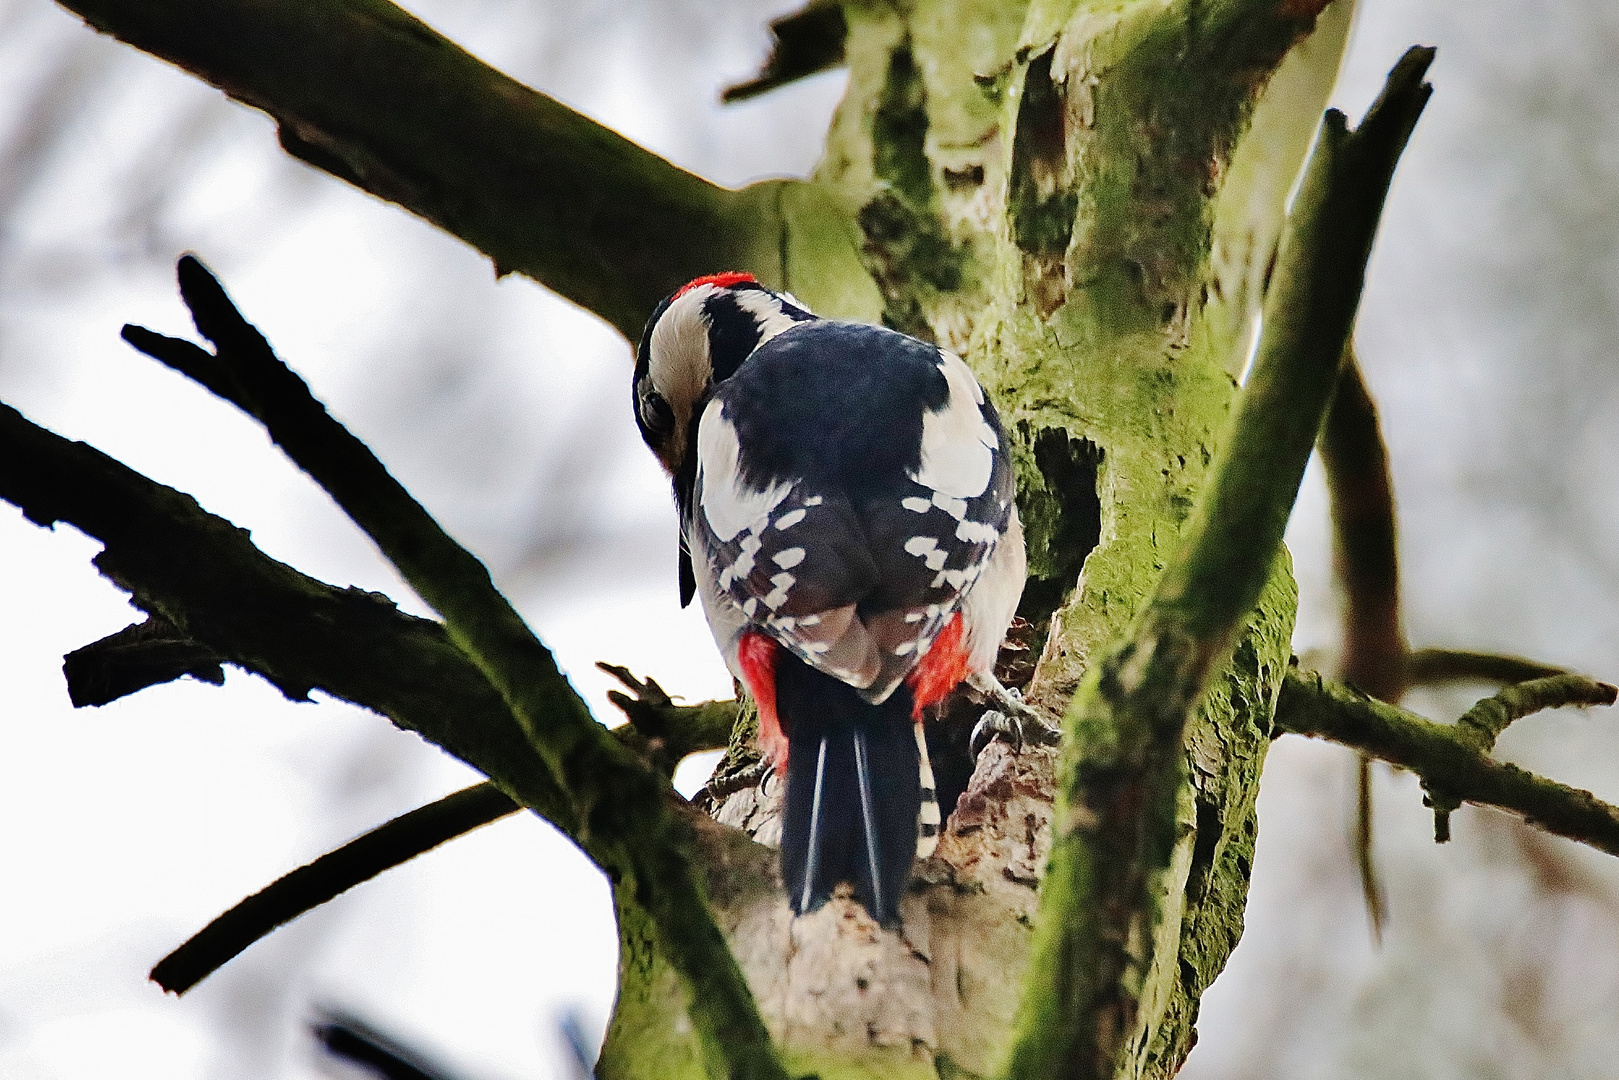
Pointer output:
696, 338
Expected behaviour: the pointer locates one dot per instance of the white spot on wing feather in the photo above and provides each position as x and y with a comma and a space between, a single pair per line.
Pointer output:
976, 532
956, 508
788, 558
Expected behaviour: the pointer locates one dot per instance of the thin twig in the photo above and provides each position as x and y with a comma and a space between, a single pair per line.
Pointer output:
721, 786
1446, 759
1365, 559
307, 887
145, 654
1371, 885
1440, 667
1485, 721
348, 1038
806, 42
668, 732
1364, 544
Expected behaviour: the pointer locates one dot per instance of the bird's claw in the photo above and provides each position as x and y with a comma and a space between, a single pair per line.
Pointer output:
1009, 716
991, 724
1016, 726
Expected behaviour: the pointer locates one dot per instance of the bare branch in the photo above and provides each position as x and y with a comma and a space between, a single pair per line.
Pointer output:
1440, 667
1364, 548
370, 94
361, 859
138, 656
664, 731
1447, 758
203, 575
1365, 559
807, 42
623, 802
348, 1038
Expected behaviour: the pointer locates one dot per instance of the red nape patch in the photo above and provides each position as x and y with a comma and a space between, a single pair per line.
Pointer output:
756, 653
941, 670
719, 281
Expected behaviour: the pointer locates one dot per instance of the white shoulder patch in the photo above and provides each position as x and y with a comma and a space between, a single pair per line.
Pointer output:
729, 503
771, 319
958, 447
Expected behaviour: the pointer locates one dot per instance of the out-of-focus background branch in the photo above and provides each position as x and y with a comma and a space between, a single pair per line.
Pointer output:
1485, 339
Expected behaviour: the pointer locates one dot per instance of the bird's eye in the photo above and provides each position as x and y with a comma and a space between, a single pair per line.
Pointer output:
656, 415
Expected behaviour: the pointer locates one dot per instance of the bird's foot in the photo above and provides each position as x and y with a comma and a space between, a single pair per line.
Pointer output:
1009, 717
756, 775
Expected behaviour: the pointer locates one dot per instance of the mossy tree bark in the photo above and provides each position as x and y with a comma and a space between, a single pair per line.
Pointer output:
1084, 198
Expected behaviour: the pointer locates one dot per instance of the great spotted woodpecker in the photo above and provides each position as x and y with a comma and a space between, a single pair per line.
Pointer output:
847, 517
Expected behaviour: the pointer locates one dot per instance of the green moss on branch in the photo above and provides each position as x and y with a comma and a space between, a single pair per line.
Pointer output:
1117, 798
1483, 723
1449, 759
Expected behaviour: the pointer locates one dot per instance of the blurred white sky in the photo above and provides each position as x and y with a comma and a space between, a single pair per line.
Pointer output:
1487, 328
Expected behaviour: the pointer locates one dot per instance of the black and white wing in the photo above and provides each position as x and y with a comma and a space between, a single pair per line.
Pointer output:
857, 578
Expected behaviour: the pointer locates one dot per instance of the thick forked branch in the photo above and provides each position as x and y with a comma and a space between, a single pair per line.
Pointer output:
620, 803
1114, 825
370, 94
1449, 759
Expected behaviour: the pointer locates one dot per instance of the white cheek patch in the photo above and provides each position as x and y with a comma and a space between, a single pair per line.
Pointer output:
729, 503
679, 365
958, 446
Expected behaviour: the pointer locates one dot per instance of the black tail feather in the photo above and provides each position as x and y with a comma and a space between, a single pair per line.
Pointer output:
853, 792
